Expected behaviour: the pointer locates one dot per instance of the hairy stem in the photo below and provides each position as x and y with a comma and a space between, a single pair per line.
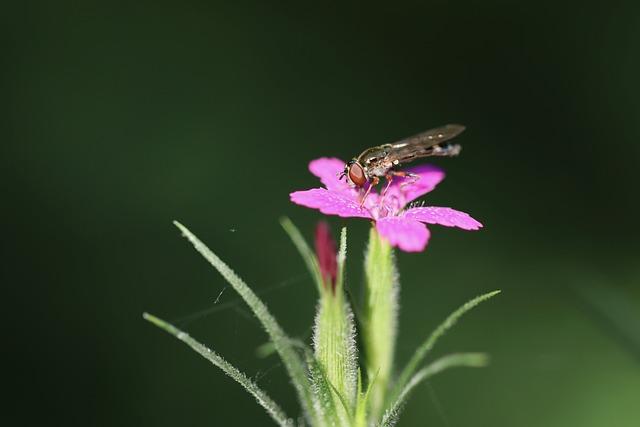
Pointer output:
380, 317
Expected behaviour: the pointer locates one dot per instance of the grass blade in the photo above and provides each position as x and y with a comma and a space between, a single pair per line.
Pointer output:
290, 358
471, 360
263, 399
430, 342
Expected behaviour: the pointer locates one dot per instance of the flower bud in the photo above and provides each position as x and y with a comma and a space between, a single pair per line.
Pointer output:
326, 254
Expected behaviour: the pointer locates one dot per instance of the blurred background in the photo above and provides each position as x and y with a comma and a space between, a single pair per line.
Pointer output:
123, 116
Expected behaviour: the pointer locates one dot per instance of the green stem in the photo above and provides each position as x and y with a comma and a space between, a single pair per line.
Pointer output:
380, 318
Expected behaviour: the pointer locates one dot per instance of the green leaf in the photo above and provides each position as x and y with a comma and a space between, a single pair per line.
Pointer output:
334, 339
360, 417
322, 392
430, 342
343, 401
290, 358
471, 360
308, 256
334, 344
263, 399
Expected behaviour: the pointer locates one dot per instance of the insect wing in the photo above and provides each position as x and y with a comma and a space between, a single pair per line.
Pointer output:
428, 143
431, 137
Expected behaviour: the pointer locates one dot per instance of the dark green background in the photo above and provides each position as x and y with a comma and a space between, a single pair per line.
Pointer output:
125, 116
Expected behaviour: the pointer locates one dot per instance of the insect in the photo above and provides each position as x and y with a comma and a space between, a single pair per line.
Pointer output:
376, 162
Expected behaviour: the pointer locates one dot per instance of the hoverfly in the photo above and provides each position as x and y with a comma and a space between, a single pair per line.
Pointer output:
376, 162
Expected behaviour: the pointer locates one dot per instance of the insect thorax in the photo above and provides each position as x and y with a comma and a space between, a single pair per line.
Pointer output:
376, 160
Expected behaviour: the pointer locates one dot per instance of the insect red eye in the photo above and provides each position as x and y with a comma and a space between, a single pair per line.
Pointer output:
356, 175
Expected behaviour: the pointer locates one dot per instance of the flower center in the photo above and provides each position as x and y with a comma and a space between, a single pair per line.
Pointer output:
381, 207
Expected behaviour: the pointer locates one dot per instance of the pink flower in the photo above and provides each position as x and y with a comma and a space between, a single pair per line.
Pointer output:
404, 228
326, 254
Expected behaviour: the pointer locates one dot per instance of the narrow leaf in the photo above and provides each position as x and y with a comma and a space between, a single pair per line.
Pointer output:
342, 258
308, 256
263, 399
290, 358
322, 391
430, 342
360, 418
343, 401
335, 345
471, 360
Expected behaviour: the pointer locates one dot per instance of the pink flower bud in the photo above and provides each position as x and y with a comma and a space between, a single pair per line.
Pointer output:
326, 253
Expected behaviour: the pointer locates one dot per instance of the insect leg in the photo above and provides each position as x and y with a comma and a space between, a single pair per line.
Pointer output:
412, 178
389, 178
374, 181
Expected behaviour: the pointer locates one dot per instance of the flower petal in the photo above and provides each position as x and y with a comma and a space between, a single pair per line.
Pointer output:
430, 176
329, 203
328, 169
443, 216
407, 234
